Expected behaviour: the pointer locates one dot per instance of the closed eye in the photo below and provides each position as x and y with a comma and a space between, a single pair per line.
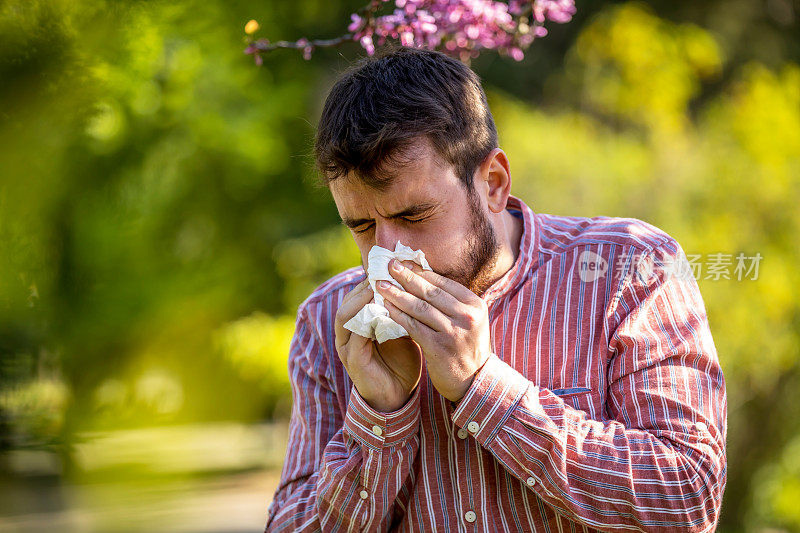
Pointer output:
404, 219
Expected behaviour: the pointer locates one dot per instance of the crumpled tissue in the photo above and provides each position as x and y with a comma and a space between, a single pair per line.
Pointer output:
373, 321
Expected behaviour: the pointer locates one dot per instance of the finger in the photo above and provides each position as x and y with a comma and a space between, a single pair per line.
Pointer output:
352, 353
355, 347
417, 308
356, 292
356, 289
423, 289
416, 267
350, 306
418, 330
457, 290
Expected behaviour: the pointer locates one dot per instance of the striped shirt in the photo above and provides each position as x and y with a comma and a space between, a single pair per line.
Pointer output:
601, 408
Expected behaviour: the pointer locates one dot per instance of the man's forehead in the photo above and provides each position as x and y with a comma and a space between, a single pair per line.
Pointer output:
358, 204
419, 183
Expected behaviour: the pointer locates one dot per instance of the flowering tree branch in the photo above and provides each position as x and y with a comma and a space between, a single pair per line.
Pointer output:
457, 27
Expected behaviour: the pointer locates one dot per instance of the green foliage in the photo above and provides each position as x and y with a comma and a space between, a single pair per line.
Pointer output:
257, 346
632, 64
147, 180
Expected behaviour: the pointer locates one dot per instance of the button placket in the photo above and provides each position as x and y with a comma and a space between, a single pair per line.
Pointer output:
463, 478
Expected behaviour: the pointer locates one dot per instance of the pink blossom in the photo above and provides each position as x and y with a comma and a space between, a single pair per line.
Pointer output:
355, 24
464, 24
366, 42
461, 27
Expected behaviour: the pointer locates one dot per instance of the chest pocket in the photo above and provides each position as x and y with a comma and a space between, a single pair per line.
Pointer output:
583, 399
568, 392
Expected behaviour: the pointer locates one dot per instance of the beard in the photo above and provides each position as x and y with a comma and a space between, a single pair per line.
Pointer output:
482, 253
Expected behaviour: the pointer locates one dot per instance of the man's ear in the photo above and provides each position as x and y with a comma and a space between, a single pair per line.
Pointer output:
494, 177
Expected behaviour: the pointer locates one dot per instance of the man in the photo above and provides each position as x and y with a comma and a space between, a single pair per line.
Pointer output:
560, 373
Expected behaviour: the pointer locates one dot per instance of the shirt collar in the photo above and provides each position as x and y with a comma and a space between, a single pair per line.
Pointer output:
528, 246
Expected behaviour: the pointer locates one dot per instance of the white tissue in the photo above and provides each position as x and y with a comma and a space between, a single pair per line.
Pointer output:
373, 321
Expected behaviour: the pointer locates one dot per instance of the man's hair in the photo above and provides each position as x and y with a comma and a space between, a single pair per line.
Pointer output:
383, 104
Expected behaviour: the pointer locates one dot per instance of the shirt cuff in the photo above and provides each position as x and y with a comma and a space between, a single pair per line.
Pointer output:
493, 395
375, 429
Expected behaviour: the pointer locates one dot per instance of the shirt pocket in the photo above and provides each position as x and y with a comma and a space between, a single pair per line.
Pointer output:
583, 399
570, 391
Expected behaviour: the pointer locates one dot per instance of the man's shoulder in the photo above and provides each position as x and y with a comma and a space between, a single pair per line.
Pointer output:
333, 289
559, 234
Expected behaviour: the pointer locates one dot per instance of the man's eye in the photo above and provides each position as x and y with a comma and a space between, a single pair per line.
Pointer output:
370, 226
366, 229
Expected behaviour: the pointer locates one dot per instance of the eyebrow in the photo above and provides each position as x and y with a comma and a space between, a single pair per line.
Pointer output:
414, 210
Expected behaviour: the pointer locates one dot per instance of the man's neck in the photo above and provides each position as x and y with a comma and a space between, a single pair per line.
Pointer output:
511, 236
509, 231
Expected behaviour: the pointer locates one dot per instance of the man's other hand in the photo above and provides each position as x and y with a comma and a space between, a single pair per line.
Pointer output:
449, 321
384, 374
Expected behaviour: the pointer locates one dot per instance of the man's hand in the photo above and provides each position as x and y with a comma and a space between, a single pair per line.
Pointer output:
449, 322
384, 374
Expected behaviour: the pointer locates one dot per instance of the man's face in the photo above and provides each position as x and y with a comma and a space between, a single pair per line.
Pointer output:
425, 207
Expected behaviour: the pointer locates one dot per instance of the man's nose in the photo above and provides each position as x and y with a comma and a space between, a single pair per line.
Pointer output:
387, 235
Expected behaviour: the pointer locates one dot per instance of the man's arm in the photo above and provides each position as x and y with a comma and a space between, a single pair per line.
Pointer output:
339, 474
658, 463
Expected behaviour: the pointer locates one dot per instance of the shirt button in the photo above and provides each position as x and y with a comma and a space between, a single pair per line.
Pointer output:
364, 494
470, 516
462, 433
700, 426
377, 430
473, 427
530, 481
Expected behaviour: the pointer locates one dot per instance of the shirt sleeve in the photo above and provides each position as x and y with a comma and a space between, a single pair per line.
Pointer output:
341, 473
656, 462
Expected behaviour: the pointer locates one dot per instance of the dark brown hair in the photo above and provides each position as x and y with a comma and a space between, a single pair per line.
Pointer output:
383, 104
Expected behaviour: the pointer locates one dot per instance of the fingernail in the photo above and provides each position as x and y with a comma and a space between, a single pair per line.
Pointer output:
383, 285
396, 266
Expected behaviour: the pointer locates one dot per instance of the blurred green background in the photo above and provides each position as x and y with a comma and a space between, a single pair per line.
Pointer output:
160, 222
